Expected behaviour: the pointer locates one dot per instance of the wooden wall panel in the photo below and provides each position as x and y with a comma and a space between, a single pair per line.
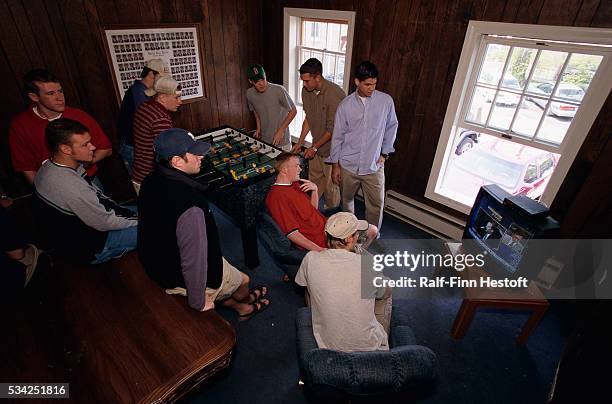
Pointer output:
416, 45
64, 36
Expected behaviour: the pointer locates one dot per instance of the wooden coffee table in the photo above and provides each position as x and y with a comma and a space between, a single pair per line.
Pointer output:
530, 298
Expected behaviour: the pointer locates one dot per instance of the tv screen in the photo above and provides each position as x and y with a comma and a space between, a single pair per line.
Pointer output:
501, 226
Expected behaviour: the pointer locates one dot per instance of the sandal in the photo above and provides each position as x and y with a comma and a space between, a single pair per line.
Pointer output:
254, 296
258, 307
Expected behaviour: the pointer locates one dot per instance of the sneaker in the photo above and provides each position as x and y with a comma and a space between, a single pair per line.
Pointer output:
30, 259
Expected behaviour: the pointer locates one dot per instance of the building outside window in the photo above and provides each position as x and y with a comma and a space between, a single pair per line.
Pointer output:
323, 34
520, 109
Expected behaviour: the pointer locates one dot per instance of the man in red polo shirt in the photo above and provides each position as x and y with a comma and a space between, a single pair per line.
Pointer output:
27, 130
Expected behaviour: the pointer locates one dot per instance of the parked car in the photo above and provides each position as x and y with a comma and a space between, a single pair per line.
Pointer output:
565, 90
519, 170
467, 139
505, 98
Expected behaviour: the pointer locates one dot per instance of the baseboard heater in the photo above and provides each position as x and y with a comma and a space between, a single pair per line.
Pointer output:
424, 217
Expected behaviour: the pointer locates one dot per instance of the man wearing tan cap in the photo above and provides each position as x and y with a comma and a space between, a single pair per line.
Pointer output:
341, 318
151, 118
132, 99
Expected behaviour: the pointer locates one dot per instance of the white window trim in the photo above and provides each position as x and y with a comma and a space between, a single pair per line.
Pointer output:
580, 126
292, 18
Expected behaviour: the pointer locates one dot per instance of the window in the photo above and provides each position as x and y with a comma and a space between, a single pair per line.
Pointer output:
323, 34
523, 101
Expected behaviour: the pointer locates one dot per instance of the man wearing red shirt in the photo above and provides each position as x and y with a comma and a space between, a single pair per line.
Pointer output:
27, 130
297, 213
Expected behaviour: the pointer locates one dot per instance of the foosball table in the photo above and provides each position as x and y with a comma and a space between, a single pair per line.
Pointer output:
238, 170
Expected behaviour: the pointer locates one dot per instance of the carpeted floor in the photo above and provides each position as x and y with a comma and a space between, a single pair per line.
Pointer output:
485, 366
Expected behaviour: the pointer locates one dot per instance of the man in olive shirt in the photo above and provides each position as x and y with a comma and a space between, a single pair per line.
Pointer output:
320, 99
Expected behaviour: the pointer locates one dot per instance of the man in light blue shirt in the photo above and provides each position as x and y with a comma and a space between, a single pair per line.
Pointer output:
364, 132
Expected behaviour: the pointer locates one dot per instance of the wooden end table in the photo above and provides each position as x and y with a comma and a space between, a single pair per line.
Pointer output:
530, 298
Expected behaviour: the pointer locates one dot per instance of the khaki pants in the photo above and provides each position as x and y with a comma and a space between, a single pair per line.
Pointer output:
373, 187
136, 187
320, 174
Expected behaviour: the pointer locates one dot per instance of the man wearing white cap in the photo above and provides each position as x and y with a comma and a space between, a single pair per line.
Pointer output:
178, 243
341, 319
151, 118
134, 96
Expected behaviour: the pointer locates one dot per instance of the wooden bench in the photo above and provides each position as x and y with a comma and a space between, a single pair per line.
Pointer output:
121, 338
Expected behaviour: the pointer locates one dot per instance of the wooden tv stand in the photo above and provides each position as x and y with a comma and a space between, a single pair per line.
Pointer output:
530, 298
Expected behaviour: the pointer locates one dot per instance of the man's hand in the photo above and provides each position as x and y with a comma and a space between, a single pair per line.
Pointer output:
336, 174
297, 148
309, 153
5, 201
381, 161
209, 303
257, 134
278, 137
308, 185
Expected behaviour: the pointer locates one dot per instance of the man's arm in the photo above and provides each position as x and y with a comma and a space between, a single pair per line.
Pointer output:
101, 154
390, 130
310, 152
309, 186
340, 129
299, 239
193, 248
257, 125
280, 132
29, 176
303, 133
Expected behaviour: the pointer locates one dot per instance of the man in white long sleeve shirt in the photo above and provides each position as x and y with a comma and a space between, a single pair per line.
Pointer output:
81, 222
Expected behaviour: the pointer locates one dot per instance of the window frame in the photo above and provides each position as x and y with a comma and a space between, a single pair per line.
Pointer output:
593, 100
292, 32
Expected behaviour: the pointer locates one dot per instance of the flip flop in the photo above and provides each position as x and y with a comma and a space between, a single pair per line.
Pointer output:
254, 296
258, 307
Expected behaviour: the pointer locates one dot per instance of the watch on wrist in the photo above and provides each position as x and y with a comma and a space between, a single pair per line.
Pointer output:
314, 148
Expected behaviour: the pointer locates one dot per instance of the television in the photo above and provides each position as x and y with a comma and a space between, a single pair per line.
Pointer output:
501, 227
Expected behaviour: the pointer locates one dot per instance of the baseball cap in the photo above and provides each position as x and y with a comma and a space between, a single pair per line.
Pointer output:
256, 72
157, 65
164, 85
343, 224
177, 142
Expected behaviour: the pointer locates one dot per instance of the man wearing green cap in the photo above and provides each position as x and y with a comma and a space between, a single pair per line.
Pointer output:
272, 106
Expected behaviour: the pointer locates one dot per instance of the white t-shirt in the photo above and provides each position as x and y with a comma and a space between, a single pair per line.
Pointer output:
341, 319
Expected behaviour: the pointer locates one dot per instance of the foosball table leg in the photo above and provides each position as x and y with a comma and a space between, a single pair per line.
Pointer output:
249, 246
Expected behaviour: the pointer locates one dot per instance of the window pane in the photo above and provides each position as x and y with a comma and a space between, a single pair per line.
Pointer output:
490, 160
557, 122
501, 117
577, 76
480, 105
546, 71
521, 62
493, 64
527, 120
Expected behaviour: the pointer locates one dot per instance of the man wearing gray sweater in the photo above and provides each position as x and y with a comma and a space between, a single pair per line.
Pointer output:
80, 221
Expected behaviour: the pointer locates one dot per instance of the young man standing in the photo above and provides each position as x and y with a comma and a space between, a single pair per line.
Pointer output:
272, 106
178, 241
320, 99
152, 118
341, 318
134, 96
81, 222
27, 130
364, 133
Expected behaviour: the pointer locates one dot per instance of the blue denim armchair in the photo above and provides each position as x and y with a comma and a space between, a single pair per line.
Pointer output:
285, 255
407, 369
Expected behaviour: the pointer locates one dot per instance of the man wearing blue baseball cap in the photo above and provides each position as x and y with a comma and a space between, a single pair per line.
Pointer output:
178, 241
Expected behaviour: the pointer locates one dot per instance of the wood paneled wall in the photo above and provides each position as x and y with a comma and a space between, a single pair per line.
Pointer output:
416, 45
64, 36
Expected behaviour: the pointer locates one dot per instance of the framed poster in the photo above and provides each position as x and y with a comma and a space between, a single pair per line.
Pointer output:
129, 48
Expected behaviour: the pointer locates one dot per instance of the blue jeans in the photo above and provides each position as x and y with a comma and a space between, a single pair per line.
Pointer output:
127, 154
118, 242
